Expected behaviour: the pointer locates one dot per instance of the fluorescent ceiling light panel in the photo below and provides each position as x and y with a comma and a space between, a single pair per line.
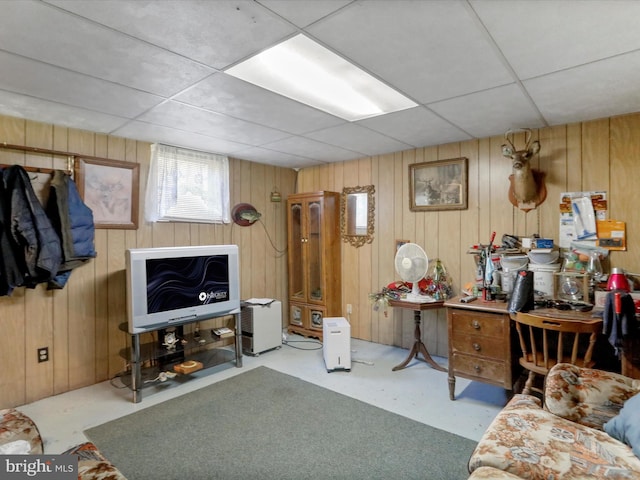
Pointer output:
305, 71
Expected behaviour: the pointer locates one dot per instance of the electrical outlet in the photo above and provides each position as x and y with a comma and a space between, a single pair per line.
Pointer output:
43, 354
349, 309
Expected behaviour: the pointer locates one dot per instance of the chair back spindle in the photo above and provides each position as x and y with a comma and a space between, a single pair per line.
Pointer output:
546, 342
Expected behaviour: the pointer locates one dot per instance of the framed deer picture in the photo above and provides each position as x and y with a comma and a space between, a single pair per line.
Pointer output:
110, 189
440, 185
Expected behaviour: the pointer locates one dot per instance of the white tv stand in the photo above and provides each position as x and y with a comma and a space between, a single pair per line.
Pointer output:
196, 349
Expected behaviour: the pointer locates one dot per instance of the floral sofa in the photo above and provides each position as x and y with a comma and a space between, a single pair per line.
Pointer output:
20, 435
589, 428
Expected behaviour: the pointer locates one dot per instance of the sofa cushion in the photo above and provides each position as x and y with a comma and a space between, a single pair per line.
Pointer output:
17, 447
626, 426
587, 396
530, 442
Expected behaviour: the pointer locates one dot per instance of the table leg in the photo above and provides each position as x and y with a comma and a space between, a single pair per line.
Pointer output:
418, 347
136, 368
452, 387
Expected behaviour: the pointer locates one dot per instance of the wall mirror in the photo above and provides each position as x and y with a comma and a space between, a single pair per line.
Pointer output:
357, 214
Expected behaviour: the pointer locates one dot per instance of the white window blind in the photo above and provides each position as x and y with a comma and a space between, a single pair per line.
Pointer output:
187, 186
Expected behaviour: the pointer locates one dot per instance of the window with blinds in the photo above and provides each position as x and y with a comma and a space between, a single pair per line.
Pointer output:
187, 186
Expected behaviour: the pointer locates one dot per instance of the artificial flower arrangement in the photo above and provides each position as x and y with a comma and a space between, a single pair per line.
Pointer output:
436, 285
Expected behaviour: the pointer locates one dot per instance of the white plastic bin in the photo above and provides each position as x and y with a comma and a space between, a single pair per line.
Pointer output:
543, 277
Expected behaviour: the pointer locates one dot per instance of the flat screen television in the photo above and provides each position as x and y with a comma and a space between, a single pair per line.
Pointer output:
175, 285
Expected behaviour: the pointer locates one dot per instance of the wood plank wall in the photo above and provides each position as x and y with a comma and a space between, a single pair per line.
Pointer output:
80, 324
597, 155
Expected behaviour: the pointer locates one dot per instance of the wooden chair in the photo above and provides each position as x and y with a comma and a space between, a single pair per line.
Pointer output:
546, 341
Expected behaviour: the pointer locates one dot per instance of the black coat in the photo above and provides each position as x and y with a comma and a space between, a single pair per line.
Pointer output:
37, 245
11, 270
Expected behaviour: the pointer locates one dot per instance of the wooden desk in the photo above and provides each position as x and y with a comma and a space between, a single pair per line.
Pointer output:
480, 341
418, 345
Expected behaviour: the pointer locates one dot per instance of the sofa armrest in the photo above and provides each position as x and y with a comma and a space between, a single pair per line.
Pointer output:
15, 425
521, 400
587, 396
92, 464
492, 473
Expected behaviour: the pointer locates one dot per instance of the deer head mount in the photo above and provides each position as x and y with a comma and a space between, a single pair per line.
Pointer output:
527, 189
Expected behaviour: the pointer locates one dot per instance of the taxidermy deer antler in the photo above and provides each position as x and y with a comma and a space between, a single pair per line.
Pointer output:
527, 189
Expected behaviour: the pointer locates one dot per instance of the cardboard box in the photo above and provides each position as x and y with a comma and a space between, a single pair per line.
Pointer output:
188, 366
601, 298
542, 243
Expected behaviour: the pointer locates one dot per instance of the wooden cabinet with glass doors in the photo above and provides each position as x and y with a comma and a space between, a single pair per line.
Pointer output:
315, 287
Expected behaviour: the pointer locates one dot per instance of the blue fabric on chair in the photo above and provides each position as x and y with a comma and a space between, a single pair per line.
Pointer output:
626, 425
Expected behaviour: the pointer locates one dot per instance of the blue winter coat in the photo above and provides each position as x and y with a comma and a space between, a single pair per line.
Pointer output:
73, 222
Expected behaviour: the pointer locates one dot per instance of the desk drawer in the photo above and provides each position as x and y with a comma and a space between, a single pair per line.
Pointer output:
478, 323
490, 347
482, 368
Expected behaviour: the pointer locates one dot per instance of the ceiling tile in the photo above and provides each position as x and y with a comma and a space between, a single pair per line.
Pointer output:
417, 127
597, 90
83, 46
22, 106
178, 138
102, 65
271, 157
358, 139
226, 94
428, 50
304, 12
539, 37
216, 33
192, 119
308, 148
488, 113
36, 79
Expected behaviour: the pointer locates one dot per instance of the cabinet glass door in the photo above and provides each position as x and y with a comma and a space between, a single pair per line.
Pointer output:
314, 250
317, 317
296, 259
296, 316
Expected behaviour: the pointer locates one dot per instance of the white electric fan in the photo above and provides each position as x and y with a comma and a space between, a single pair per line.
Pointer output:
412, 264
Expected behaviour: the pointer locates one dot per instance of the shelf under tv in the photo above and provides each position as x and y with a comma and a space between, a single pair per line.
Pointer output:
148, 360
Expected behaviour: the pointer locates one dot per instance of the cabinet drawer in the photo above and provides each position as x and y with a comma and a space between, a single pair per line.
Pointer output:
478, 323
491, 347
482, 368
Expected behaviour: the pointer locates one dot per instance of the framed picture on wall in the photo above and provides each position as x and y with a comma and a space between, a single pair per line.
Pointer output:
440, 185
110, 189
399, 243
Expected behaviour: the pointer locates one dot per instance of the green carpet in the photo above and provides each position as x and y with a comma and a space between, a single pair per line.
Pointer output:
263, 424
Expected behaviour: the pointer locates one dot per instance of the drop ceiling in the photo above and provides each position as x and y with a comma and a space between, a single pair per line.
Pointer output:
154, 70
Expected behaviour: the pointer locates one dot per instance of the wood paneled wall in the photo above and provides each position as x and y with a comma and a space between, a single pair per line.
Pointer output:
596, 155
80, 324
